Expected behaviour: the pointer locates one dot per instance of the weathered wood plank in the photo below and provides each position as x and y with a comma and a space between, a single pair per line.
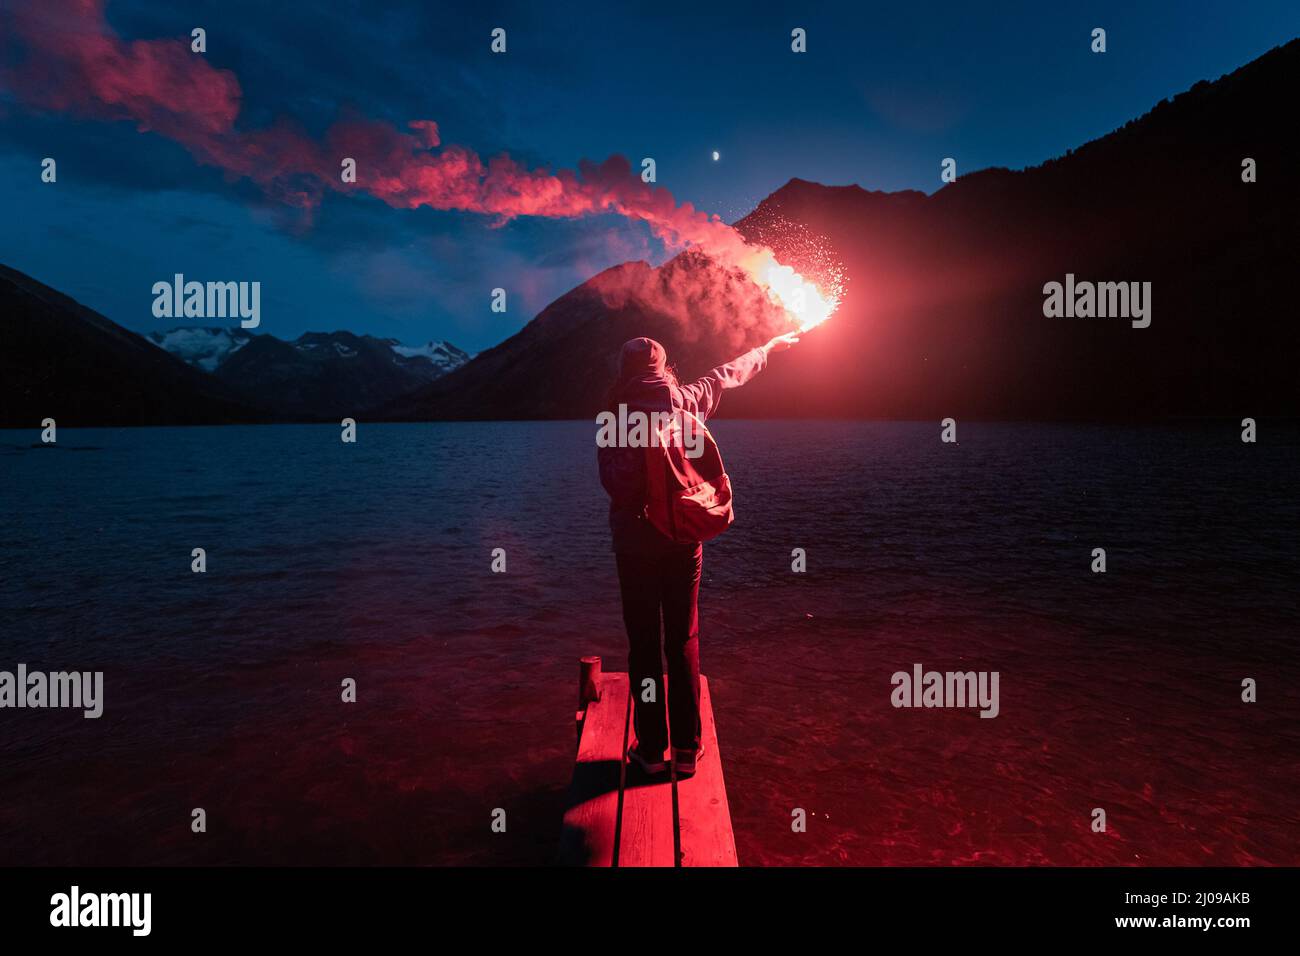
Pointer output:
705, 817
617, 817
648, 836
588, 834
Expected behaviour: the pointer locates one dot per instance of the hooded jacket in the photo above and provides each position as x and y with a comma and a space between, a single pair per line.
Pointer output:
645, 385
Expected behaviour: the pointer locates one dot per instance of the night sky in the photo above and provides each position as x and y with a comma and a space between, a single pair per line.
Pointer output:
880, 98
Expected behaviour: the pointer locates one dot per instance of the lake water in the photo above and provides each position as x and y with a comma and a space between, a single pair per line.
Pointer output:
372, 561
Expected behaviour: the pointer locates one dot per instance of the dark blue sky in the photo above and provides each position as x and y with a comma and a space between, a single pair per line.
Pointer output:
881, 96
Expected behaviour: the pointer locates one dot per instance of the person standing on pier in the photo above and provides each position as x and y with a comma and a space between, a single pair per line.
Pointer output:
659, 574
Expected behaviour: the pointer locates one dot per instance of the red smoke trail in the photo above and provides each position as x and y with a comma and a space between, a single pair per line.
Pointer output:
75, 63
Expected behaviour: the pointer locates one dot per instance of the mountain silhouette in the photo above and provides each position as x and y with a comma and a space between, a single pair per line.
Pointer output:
571, 341
330, 375
64, 361
943, 309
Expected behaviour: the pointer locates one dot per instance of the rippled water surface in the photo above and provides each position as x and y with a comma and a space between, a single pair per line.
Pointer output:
372, 561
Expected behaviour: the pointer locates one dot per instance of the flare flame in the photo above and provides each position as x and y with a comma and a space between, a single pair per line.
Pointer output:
805, 303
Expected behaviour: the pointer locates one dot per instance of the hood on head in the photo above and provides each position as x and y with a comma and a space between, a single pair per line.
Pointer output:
642, 358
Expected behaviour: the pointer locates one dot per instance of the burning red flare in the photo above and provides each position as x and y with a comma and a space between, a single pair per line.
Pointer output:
804, 302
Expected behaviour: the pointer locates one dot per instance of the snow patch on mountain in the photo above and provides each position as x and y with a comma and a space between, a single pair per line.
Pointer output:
204, 347
442, 355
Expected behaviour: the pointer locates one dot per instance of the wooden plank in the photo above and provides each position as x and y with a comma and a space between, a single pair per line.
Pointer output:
588, 834
705, 817
617, 817
648, 835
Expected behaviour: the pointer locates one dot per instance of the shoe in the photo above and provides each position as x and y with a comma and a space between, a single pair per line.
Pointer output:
651, 765
684, 760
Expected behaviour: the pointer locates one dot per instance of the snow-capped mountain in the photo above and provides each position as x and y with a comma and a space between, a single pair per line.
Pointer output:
208, 348
204, 347
442, 355
318, 374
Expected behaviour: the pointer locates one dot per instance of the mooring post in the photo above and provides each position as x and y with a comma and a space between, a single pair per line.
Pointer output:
588, 688
588, 681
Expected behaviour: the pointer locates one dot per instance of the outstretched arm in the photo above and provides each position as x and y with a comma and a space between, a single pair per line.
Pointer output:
781, 342
703, 397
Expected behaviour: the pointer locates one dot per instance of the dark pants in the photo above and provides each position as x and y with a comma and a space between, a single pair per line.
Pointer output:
671, 583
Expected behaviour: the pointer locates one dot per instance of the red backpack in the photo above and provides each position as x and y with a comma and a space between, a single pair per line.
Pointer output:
687, 499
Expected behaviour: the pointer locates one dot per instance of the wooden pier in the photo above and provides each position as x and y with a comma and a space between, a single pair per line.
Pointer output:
618, 817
